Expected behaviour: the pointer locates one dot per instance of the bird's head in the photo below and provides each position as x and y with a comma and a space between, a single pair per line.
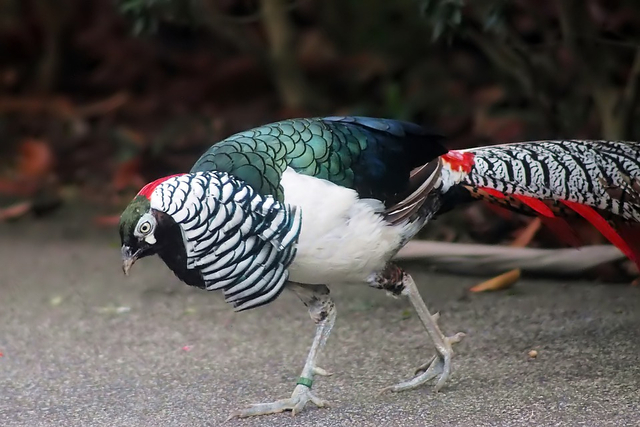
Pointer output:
138, 226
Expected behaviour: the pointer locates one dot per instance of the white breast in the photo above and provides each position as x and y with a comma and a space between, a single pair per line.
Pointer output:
343, 238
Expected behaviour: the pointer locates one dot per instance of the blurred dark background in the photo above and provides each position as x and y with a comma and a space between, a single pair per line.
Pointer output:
98, 97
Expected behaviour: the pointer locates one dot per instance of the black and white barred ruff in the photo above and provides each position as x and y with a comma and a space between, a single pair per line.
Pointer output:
602, 174
240, 242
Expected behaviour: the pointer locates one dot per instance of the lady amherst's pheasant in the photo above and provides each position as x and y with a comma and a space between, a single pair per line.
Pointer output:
307, 203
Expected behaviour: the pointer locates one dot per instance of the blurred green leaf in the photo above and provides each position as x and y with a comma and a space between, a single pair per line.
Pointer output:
444, 17
147, 14
491, 14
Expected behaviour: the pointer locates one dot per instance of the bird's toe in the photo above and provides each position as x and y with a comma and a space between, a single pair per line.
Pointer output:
296, 404
439, 366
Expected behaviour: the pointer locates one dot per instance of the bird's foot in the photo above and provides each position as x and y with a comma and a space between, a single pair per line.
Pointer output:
439, 366
299, 398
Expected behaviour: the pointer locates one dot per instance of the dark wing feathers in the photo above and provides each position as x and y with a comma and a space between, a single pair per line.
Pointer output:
372, 156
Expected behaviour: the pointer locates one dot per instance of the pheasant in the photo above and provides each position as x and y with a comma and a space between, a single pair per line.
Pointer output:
306, 203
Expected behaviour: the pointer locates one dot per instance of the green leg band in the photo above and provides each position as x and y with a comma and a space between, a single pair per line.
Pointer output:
305, 381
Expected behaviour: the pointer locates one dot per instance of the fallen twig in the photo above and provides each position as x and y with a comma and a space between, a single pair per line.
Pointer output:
477, 259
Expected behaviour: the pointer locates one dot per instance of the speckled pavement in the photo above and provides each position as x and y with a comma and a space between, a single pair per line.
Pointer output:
84, 346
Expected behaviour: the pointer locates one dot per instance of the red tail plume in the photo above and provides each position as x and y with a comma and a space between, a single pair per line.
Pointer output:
558, 225
590, 214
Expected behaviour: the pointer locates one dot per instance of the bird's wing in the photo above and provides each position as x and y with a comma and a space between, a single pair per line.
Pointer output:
598, 180
372, 156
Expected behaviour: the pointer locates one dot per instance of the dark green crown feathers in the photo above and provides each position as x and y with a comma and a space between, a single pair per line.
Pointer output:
130, 217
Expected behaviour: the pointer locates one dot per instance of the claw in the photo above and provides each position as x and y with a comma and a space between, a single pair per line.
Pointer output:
423, 368
436, 367
383, 390
232, 416
439, 366
321, 372
299, 398
454, 339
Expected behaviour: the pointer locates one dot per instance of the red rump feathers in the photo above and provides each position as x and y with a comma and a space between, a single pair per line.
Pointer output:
460, 161
148, 189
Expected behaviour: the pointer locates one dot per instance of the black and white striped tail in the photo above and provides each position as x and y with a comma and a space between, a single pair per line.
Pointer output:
597, 180
601, 174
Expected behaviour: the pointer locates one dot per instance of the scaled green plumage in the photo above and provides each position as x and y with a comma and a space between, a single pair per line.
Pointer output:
373, 156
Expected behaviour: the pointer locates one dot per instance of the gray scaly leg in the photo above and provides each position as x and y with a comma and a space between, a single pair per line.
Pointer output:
323, 313
396, 281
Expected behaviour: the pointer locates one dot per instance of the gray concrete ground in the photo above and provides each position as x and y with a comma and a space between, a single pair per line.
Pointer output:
85, 346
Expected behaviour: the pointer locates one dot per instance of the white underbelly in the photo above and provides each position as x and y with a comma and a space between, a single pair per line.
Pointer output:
343, 239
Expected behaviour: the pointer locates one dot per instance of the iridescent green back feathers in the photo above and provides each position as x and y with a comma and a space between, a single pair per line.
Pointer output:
372, 156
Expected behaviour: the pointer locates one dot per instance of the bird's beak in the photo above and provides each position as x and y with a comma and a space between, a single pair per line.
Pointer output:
129, 258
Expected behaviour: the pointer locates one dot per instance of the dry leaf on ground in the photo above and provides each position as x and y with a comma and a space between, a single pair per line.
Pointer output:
503, 281
15, 211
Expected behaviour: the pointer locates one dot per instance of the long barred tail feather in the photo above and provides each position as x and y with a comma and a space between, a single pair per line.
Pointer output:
597, 180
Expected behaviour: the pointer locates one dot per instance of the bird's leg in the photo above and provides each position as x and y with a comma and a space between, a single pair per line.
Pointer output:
398, 282
323, 313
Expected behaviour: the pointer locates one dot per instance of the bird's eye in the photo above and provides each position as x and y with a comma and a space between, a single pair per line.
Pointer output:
145, 227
